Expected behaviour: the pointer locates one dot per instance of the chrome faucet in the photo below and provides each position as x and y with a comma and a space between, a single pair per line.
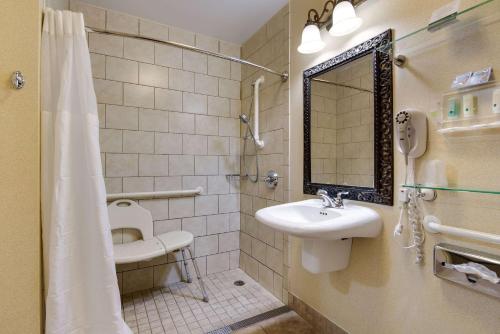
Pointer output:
328, 202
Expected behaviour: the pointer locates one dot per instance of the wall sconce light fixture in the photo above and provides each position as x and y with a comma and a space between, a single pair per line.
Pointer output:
342, 21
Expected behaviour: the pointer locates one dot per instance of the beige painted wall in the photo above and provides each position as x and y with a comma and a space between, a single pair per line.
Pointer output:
20, 261
382, 290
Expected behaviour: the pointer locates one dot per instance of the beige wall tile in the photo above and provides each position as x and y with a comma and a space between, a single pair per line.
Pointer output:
167, 99
98, 63
207, 43
139, 50
207, 125
218, 106
110, 140
229, 127
229, 88
229, 241
153, 30
229, 165
108, 91
206, 205
94, 17
235, 71
121, 165
168, 143
113, 185
229, 203
266, 277
181, 207
194, 61
194, 103
181, 80
230, 49
138, 141
218, 145
217, 263
234, 221
194, 144
196, 225
166, 183
121, 22
138, 96
168, 56
206, 245
119, 69
138, 184
219, 67
234, 259
181, 123
153, 120
153, 75
192, 182
153, 165
106, 44
181, 165
205, 84
164, 226
120, 117
206, 165
157, 207
181, 36
218, 184
218, 224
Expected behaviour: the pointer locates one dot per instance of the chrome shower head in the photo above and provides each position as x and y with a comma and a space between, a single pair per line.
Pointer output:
244, 118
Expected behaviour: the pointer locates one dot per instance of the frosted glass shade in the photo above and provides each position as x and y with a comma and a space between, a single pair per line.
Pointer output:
344, 19
311, 40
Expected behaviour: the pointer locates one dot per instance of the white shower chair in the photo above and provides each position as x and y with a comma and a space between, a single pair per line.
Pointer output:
125, 213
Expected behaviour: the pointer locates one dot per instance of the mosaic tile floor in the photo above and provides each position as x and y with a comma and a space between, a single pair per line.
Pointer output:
179, 309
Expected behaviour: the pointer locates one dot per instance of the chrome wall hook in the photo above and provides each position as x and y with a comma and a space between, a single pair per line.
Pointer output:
17, 80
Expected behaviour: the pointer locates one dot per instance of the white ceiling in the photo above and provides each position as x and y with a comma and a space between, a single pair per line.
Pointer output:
231, 20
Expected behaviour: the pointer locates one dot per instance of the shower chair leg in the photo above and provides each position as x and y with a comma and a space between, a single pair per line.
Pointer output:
188, 276
203, 291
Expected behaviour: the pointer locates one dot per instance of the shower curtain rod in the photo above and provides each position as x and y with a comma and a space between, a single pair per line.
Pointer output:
283, 75
342, 85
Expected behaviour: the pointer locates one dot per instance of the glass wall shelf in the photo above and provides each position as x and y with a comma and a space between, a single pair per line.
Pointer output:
453, 189
451, 26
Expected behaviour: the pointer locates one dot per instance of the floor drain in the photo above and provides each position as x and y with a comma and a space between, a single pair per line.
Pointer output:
239, 283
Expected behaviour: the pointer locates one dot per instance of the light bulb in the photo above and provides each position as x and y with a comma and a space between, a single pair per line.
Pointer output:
344, 19
311, 40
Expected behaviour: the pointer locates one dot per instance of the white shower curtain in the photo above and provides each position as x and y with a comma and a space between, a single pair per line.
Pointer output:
81, 289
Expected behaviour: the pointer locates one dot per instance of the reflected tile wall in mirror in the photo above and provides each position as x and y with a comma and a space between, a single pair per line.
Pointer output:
342, 125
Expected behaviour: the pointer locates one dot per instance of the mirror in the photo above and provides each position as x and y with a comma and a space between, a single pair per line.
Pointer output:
342, 125
348, 124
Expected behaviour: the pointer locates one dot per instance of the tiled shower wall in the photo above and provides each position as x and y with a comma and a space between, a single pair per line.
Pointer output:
354, 124
169, 121
263, 250
323, 130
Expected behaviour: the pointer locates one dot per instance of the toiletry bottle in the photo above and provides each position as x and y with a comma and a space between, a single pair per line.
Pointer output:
453, 108
469, 105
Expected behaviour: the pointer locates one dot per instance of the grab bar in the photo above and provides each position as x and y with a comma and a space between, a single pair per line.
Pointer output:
432, 224
155, 194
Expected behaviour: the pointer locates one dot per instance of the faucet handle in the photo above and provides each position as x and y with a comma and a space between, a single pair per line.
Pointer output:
321, 192
341, 193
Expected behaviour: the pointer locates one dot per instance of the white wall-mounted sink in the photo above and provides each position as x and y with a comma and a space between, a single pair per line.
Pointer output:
327, 232
308, 219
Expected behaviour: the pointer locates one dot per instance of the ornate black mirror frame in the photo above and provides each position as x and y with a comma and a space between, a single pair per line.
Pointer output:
382, 192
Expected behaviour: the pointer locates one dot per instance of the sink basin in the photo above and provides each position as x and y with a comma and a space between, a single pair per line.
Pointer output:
326, 232
308, 219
